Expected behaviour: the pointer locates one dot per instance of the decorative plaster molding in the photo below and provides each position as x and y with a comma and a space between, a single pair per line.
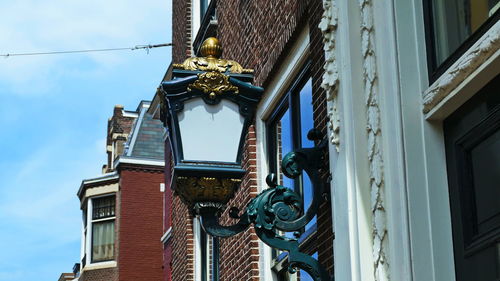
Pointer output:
330, 83
376, 163
484, 48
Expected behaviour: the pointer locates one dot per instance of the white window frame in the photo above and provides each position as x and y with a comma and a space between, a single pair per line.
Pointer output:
88, 233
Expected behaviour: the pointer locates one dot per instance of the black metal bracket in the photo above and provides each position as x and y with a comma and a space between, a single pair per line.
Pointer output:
278, 209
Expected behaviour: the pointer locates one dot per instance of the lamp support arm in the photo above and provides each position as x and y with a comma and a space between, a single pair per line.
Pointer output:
210, 223
279, 209
296, 259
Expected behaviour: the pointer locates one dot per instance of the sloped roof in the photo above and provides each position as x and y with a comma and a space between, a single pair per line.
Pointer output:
149, 141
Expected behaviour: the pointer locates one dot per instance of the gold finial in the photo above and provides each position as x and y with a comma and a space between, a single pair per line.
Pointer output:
211, 48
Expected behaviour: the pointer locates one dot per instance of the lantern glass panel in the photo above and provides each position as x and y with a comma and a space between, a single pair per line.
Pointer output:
210, 133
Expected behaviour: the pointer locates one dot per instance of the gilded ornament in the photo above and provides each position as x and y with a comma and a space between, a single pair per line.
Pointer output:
198, 189
211, 51
213, 84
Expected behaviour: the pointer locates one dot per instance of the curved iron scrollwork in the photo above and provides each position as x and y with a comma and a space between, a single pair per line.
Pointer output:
279, 209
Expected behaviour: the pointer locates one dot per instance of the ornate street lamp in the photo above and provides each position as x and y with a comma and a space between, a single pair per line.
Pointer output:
207, 108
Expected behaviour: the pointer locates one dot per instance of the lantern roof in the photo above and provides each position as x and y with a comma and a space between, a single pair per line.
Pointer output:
212, 78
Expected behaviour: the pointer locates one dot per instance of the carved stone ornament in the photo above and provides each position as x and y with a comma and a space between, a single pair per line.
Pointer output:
481, 51
213, 83
380, 244
330, 81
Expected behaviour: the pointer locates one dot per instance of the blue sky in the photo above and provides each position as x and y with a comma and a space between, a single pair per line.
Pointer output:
54, 112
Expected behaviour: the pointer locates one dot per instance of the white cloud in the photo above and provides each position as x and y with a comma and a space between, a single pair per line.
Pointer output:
35, 25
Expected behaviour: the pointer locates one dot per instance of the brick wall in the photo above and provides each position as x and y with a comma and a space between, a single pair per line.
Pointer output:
182, 242
239, 255
167, 262
181, 30
257, 34
140, 223
325, 233
167, 214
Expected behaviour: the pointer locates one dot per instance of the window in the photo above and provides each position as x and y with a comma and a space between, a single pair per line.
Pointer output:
453, 26
103, 229
472, 138
198, 10
287, 130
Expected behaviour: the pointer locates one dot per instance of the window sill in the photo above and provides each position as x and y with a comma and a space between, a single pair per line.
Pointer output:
100, 265
447, 93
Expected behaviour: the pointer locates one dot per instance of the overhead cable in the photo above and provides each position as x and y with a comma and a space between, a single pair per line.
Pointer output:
138, 47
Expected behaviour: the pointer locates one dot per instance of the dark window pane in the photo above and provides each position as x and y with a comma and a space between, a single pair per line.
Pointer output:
215, 259
84, 217
103, 207
486, 173
204, 254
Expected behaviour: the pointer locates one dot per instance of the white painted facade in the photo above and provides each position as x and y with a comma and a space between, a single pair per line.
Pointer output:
390, 199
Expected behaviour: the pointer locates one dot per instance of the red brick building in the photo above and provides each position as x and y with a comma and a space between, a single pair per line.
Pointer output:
123, 209
281, 41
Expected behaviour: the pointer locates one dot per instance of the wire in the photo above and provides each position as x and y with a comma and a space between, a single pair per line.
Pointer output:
147, 47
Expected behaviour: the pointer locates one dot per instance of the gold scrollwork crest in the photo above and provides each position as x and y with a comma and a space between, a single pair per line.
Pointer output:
212, 64
211, 51
213, 84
